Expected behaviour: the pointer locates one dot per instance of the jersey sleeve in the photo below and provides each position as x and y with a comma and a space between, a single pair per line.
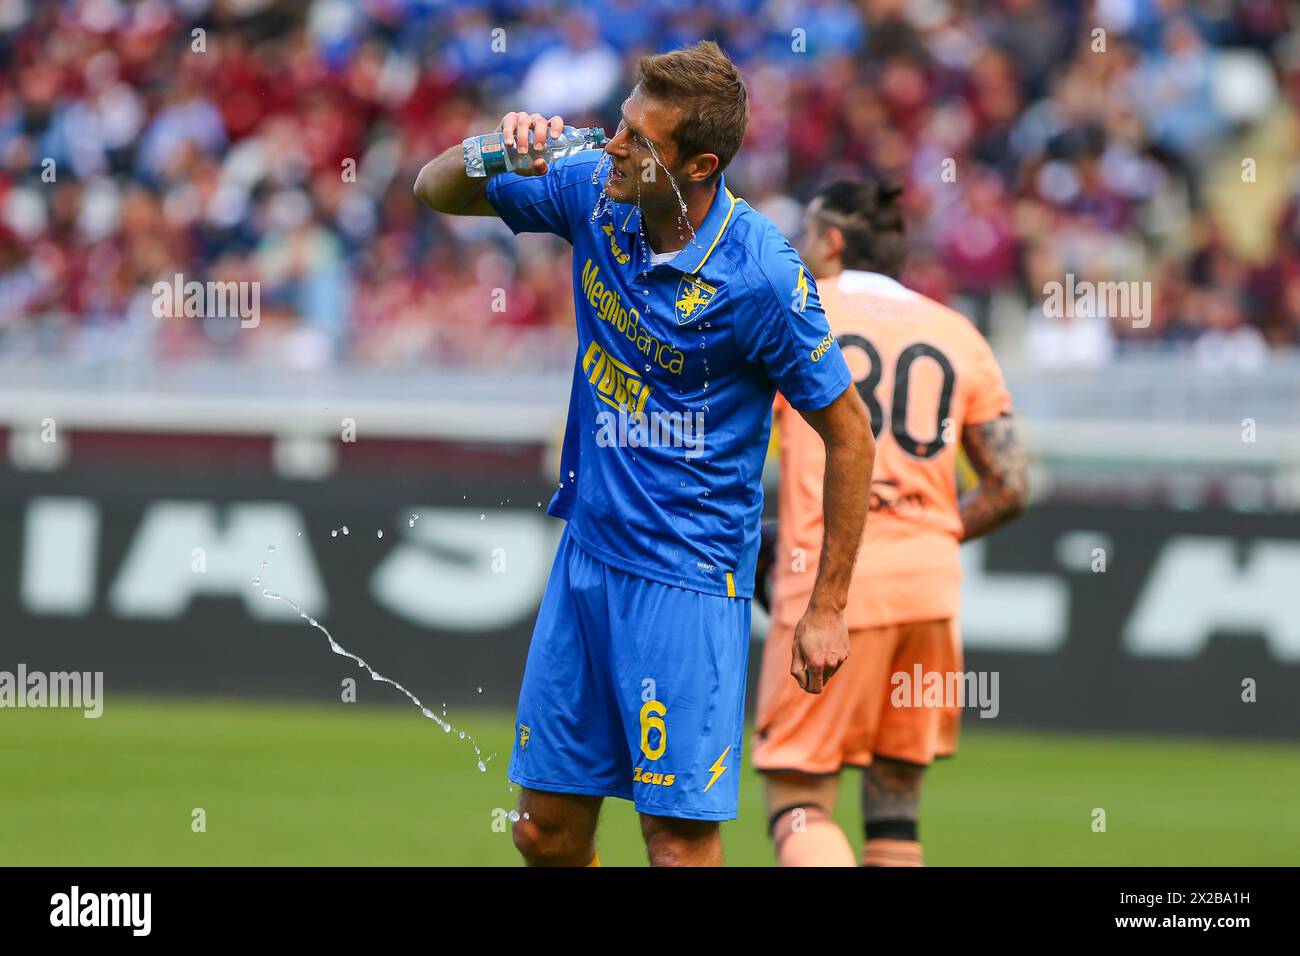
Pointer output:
545, 203
788, 335
989, 397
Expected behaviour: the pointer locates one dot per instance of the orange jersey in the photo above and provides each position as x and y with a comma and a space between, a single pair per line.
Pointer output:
925, 373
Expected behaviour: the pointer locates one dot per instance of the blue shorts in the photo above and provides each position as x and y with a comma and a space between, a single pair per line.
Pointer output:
633, 689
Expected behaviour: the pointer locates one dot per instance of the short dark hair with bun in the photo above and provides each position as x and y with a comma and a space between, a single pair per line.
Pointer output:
868, 213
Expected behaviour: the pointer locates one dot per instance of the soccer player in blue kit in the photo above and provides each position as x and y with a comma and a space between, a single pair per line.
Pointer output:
688, 322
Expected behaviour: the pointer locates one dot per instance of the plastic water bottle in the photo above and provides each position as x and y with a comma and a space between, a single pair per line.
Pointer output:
488, 155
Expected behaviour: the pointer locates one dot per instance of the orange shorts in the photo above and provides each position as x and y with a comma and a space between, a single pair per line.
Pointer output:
857, 715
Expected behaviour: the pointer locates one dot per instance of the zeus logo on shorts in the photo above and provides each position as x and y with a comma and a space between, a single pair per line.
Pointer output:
654, 779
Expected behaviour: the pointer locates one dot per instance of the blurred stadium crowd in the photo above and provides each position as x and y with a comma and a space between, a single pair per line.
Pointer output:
277, 140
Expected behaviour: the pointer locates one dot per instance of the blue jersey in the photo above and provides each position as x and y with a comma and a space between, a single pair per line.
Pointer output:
675, 372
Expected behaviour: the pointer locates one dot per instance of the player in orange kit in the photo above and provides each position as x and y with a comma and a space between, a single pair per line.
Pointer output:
930, 381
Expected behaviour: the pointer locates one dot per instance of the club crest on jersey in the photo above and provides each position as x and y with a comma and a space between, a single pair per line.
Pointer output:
693, 297
524, 733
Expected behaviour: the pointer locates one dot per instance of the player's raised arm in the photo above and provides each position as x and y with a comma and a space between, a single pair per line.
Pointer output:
1003, 490
821, 640
444, 186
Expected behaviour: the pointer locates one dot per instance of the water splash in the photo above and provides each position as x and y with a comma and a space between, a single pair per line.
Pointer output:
604, 205
339, 649
683, 216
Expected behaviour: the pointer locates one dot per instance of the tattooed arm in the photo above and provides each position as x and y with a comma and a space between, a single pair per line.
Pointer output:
1003, 489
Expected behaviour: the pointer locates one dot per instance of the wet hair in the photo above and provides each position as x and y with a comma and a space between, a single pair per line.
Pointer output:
710, 90
868, 213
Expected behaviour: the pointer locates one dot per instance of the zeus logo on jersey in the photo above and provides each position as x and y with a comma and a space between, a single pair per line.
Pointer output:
608, 305
621, 257
693, 296
616, 384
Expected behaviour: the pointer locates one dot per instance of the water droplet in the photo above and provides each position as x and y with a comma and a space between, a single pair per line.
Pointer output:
345, 529
446, 728
334, 534
379, 534
270, 548
479, 690
481, 517
257, 582
461, 735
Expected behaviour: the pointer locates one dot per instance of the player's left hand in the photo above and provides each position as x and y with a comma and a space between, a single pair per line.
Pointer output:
821, 646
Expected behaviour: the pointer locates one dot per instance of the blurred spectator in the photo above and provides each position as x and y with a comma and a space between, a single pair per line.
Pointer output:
577, 75
1229, 344
276, 140
1068, 338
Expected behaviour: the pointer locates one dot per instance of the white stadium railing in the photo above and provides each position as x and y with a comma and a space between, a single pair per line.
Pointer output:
1154, 411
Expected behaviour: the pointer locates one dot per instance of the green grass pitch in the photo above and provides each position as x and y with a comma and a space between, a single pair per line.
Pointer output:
344, 785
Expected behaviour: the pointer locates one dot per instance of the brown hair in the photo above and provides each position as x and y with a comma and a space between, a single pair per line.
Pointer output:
710, 90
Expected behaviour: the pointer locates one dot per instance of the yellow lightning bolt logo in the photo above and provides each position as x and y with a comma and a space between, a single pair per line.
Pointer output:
718, 769
801, 290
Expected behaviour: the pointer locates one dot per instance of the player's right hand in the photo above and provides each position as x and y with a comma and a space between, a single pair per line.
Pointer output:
514, 131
